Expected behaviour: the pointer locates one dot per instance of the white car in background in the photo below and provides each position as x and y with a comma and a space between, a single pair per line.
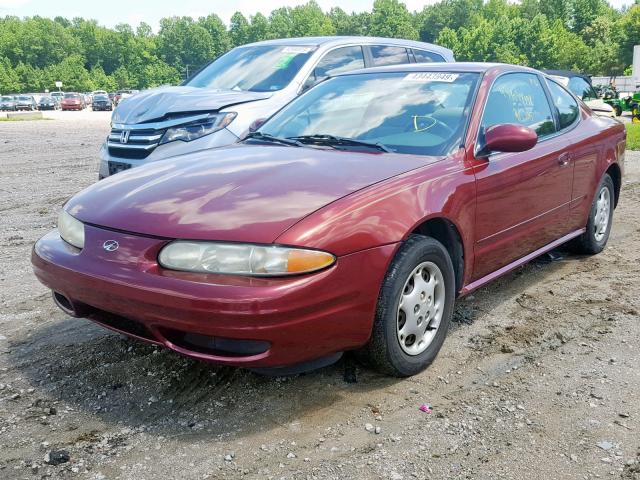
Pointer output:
219, 104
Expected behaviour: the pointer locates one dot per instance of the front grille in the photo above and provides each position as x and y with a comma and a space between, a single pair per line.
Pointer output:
136, 144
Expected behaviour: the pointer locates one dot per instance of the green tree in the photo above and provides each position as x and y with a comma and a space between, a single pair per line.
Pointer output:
239, 30
9, 81
390, 18
309, 20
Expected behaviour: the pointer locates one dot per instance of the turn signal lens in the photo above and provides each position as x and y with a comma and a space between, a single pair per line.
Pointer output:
242, 259
308, 260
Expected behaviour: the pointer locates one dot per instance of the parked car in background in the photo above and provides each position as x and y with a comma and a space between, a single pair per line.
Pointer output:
8, 103
26, 102
580, 86
218, 104
352, 219
112, 96
73, 101
58, 96
101, 102
98, 92
47, 102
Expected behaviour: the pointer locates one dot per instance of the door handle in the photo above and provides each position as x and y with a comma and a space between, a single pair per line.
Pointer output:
563, 160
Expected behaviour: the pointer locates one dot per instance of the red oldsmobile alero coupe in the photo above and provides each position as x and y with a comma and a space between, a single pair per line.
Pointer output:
352, 219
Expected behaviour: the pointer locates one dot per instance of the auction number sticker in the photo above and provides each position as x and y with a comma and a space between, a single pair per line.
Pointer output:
431, 77
296, 49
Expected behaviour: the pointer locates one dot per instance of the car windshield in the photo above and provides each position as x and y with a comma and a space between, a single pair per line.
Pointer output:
263, 68
24, 97
7, 99
423, 113
100, 97
71, 95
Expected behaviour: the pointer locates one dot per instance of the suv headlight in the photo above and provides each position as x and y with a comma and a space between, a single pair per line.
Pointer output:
71, 229
195, 130
242, 259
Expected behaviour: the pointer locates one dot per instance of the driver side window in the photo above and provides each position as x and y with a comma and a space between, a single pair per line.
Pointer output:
518, 98
336, 61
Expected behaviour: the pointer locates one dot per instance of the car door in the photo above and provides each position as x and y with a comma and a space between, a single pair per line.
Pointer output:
584, 155
522, 197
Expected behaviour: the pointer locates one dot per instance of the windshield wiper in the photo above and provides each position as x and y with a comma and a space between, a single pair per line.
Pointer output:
272, 138
334, 141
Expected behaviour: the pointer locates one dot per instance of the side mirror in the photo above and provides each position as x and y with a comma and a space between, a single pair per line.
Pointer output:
509, 137
256, 124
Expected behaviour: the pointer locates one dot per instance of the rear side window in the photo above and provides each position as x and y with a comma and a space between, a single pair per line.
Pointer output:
388, 55
340, 60
519, 98
565, 103
423, 56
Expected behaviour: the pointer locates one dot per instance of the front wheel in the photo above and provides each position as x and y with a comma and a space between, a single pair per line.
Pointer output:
414, 308
595, 238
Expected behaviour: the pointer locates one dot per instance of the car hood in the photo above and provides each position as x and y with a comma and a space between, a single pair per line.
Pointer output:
248, 193
158, 102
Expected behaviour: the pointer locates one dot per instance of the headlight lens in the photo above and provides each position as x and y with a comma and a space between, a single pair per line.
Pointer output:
71, 230
242, 259
192, 131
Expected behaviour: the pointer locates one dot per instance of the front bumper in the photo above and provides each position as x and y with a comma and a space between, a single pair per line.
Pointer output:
296, 319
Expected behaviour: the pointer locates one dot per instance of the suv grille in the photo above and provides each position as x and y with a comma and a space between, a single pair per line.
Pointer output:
136, 144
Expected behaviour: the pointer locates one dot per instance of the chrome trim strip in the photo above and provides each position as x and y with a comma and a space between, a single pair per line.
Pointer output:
161, 125
132, 146
140, 138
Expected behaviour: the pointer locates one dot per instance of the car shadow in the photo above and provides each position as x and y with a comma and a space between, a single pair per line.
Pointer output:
75, 363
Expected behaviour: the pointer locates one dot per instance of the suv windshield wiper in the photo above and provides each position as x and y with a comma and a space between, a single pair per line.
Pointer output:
272, 138
333, 141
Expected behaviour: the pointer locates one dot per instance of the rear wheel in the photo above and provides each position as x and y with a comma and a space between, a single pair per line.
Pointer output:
618, 110
595, 238
414, 309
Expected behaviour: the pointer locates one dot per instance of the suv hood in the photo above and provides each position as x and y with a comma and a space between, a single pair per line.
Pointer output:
156, 103
246, 193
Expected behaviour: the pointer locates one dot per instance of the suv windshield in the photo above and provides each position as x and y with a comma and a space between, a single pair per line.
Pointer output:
100, 97
263, 68
422, 113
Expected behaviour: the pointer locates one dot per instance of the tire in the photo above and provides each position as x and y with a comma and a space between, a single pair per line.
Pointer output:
389, 350
618, 110
595, 238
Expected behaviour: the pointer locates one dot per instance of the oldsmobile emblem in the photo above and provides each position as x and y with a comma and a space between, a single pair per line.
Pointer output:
110, 245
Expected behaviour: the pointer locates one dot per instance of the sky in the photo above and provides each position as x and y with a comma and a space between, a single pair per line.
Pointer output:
133, 12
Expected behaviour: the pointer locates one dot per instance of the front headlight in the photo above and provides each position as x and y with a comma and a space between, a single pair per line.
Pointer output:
195, 130
242, 259
71, 229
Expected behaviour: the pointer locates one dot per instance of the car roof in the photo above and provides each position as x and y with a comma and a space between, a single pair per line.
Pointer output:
348, 40
462, 67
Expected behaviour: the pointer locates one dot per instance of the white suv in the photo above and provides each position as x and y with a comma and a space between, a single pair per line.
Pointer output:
218, 104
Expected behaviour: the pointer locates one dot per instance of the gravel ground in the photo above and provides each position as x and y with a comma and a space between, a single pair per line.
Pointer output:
538, 379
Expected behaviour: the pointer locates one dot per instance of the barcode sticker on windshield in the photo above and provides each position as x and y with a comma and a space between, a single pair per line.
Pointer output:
431, 77
296, 49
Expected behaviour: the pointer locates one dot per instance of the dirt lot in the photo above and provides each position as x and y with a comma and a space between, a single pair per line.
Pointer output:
539, 378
